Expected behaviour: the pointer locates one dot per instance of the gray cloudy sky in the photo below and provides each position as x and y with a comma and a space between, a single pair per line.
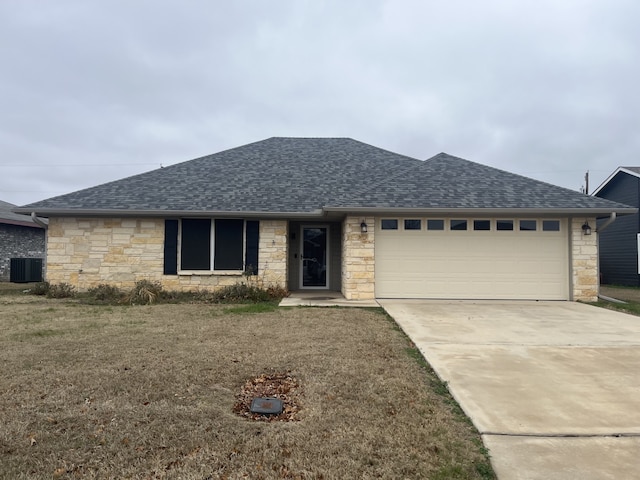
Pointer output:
93, 91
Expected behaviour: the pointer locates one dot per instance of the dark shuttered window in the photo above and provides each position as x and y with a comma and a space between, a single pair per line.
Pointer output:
195, 250
206, 244
228, 244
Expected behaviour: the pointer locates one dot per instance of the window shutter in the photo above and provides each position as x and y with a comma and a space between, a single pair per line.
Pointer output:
251, 254
170, 247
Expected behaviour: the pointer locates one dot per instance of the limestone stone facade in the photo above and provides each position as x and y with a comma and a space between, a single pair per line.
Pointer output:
358, 259
584, 261
273, 252
86, 252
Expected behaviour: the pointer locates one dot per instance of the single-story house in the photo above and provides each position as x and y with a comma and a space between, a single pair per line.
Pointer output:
619, 244
20, 238
331, 213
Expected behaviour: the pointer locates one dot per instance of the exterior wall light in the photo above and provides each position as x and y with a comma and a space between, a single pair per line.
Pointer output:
363, 226
586, 228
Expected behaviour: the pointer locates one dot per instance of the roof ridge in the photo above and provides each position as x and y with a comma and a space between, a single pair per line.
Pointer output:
402, 171
387, 179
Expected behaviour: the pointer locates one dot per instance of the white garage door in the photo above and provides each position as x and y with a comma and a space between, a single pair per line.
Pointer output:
472, 258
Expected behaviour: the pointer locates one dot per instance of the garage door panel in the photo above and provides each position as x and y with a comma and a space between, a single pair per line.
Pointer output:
472, 264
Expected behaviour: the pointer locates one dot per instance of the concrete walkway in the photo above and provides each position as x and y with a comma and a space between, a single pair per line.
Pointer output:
323, 298
553, 387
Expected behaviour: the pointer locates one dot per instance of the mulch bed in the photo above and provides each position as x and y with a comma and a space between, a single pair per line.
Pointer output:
277, 385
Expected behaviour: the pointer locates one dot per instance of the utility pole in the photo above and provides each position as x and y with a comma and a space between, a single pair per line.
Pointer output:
586, 182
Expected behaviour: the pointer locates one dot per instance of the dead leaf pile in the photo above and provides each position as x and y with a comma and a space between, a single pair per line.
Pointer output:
277, 385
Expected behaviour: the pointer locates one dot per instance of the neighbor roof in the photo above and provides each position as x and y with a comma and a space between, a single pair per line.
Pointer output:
10, 218
315, 176
634, 171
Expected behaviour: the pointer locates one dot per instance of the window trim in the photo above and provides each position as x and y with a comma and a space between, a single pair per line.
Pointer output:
546, 221
477, 220
507, 221
466, 225
443, 225
382, 220
212, 231
404, 224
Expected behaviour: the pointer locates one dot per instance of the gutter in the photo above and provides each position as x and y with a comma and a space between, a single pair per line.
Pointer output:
610, 220
482, 211
37, 221
80, 212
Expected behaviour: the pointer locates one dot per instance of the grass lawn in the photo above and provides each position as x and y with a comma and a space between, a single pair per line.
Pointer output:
631, 295
149, 391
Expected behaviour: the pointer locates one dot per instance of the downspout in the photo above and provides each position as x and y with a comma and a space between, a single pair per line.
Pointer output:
36, 220
611, 219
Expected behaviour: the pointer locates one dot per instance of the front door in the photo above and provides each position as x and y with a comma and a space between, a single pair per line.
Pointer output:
314, 265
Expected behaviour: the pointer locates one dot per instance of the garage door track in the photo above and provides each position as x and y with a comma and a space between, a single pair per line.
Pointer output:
553, 387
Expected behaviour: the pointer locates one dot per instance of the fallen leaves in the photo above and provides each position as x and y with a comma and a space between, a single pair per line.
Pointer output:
277, 385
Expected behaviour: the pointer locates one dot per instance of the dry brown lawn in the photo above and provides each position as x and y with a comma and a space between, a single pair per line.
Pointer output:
148, 392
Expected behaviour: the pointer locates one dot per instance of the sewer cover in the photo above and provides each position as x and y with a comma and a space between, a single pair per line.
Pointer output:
266, 406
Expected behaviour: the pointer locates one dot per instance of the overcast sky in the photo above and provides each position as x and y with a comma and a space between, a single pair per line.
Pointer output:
93, 91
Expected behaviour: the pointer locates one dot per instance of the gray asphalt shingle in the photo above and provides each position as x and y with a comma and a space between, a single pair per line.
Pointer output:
446, 182
303, 175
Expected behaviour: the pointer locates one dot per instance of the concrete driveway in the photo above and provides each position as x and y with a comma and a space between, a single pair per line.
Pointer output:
553, 387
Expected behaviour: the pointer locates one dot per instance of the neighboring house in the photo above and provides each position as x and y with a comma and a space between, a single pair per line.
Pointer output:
619, 243
330, 213
20, 237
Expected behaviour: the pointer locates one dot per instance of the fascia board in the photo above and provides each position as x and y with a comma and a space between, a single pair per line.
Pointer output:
484, 211
81, 212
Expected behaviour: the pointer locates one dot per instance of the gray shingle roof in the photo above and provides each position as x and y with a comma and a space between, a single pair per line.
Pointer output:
446, 182
7, 216
307, 175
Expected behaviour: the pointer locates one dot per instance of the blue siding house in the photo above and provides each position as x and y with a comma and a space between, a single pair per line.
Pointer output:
619, 242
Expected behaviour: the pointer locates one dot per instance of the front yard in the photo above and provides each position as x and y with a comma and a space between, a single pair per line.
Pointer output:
149, 392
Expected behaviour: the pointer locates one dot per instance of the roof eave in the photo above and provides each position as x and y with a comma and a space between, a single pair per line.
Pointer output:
82, 212
20, 223
484, 211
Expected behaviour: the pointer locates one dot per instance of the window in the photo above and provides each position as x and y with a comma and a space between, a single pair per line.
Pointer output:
412, 224
482, 224
228, 244
504, 225
458, 224
528, 225
207, 244
551, 225
388, 224
195, 252
435, 224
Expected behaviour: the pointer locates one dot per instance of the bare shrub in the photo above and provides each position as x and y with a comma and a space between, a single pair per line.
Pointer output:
61, 290
145, 292
105, 293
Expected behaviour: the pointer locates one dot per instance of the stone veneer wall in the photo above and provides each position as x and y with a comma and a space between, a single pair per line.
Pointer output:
358, 259
584, 260
273, 253
88, 252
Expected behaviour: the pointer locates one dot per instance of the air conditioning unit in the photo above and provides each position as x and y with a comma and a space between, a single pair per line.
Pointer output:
24, 270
